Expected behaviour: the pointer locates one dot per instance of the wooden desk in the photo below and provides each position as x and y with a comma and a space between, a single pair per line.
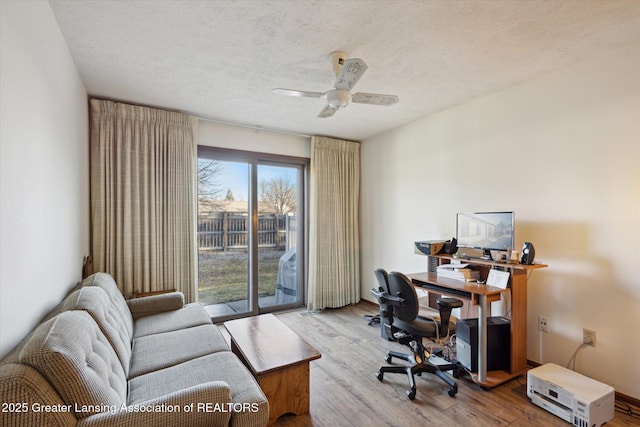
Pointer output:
279, 360
482, 295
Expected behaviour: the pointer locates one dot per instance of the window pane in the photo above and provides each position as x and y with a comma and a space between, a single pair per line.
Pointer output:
223, 236
277, 235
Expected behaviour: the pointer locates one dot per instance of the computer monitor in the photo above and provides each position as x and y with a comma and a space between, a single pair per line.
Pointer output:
485, 230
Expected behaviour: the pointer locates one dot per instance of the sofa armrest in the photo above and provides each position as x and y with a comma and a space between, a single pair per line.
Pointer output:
207, 404
145, 306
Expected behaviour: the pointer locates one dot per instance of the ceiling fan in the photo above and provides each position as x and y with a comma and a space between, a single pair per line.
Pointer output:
348, 72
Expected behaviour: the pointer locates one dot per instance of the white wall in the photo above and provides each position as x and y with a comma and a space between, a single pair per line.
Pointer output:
261, 141
44, 168
563, 152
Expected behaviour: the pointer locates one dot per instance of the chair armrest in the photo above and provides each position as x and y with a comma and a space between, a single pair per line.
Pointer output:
203, 404
145, 306
384, 298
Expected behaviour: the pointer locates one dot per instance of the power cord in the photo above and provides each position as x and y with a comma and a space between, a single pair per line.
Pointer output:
373, 320
507, 301
625, 408
572, 360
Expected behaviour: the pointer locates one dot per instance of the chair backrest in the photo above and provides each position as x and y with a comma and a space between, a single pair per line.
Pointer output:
400, 285
383, 279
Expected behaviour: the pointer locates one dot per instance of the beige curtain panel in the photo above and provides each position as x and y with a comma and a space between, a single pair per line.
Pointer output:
334, 240
143, 197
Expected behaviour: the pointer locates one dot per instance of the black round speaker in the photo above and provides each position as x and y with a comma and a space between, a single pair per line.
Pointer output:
528, 253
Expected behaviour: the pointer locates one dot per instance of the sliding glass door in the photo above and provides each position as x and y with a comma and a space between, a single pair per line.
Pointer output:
223, 238
251, 236
277, 234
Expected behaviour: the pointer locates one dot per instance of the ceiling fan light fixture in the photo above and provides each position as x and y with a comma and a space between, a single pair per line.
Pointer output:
348, 72
338, 98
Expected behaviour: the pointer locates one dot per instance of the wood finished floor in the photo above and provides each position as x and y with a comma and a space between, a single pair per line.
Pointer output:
345, 391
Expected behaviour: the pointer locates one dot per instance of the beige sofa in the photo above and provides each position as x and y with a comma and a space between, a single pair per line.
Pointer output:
99, 360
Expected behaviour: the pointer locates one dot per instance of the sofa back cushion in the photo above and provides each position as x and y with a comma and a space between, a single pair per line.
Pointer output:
74, 356
106, 282
95, 301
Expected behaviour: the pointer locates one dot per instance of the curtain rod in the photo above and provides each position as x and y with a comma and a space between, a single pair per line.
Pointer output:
252, 127
206, 119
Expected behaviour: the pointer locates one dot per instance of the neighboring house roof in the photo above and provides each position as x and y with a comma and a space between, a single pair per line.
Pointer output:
235, 206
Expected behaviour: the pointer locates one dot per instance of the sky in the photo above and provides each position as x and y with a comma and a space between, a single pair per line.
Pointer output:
235, 176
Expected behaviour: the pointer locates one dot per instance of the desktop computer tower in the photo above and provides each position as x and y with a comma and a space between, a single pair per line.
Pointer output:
498, 344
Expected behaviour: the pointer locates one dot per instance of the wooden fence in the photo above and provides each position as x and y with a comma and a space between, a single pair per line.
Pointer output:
222, 231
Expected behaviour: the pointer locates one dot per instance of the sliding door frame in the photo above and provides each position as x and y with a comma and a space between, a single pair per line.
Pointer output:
254, 159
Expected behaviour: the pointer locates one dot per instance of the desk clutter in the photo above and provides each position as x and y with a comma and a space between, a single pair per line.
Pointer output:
462, 272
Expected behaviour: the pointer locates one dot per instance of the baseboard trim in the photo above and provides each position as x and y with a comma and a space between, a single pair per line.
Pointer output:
619, 396
371, 303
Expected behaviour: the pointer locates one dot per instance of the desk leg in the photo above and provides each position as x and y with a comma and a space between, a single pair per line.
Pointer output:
482, 339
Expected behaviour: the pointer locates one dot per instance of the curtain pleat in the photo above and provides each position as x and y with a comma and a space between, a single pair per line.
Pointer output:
334, 251
143, 197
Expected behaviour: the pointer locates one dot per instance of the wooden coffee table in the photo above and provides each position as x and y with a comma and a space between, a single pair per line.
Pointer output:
279, 360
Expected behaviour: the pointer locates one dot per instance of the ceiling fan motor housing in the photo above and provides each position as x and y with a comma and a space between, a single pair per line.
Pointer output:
338, 98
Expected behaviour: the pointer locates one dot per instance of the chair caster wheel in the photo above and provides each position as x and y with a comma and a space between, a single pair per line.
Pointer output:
387, 359
453, 390
380, 376
411, 394
456, 373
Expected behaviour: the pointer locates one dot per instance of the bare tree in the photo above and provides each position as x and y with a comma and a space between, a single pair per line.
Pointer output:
278, 194
209, 187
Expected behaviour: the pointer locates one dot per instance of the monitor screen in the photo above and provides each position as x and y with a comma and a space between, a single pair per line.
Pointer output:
485, 230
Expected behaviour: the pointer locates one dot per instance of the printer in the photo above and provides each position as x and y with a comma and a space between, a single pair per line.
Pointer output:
429, 247
577, 399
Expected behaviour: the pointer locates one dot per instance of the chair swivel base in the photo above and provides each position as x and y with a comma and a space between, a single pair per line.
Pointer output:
416, 368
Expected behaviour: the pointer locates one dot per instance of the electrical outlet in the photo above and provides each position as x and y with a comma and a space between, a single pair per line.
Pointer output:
589, 337
543, 324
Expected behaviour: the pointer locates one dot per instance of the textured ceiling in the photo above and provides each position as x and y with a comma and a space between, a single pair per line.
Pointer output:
220, 59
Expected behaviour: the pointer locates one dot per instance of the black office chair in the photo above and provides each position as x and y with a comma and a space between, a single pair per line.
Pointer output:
401, 305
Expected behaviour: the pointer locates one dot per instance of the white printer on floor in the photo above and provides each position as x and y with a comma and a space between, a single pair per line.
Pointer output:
580, 400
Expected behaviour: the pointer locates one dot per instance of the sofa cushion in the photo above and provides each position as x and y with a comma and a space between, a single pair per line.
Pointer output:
72, 353
221, 366
95, 301
106, 282
188, 316
158, 351
142, 306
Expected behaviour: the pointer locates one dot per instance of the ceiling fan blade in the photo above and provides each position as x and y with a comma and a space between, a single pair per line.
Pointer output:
352, 70
301, 93
328, 111
374, 98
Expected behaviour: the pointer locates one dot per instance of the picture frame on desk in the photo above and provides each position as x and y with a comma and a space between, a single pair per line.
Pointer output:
499, 279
